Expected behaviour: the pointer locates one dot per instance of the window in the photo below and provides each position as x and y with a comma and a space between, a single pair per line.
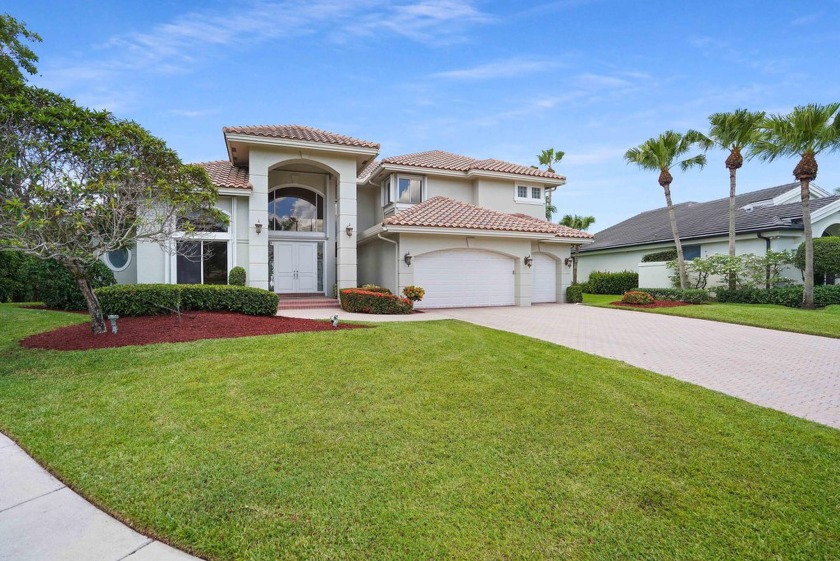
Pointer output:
295, 209
409, 190
202, 262
202, 221
691, 252
528, 194
386, 191
118, 259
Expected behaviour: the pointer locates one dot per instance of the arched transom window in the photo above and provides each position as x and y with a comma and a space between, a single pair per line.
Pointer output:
295, 209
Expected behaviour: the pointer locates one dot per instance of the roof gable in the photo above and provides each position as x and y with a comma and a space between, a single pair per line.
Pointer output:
301, 133
439, 159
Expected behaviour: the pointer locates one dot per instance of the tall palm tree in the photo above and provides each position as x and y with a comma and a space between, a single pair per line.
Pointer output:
577, 222
661, 154
548, 158
736, 132
805, 132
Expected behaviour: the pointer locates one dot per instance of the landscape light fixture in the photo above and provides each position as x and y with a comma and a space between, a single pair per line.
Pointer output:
408, 257
258, 227
529, 261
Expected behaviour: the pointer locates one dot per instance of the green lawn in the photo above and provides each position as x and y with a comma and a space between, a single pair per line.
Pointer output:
427, 440
825, 322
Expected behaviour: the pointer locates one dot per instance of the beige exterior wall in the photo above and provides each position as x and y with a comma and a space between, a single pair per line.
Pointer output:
518, 249
497, 194
378, 264
452, 187
369, 206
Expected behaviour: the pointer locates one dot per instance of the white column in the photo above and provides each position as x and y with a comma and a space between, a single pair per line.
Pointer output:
346, 260
258, 243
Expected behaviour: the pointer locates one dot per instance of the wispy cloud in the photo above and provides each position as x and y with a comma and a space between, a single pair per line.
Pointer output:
500, 69
191, 39
193, 113
807, 19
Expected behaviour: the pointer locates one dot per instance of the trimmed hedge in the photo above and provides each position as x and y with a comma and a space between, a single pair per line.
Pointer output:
375, 288
59, 290
665, 255
574, 294
156, 299
637, 297
612, 283
690, 295
369, 302
790, 296
19, 278
236, 277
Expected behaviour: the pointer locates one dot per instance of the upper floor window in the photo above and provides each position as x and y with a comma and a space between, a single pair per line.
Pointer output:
202, 221
295, 209
403, 189
528, 194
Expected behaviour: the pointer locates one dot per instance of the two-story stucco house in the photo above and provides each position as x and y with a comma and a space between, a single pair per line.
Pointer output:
310, 210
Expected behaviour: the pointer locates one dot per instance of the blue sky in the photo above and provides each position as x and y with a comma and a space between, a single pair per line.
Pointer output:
484, 79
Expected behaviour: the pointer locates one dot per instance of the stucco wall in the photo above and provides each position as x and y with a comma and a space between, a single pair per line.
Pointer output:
377, 264
369, 207
500, 195
454, 188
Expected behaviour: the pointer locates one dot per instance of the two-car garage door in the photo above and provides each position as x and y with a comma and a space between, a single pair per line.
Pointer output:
464, 278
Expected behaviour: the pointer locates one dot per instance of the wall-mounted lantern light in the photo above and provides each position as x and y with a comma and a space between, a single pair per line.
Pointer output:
408, 257
349, 230
529, 261
258, 227
568, 261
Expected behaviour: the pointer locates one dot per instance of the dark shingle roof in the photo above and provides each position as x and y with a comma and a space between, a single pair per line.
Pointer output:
703, 220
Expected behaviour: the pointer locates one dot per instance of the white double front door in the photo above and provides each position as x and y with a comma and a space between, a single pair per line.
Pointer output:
295, 267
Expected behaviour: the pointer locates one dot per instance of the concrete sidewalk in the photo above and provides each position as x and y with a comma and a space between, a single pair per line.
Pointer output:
41, 519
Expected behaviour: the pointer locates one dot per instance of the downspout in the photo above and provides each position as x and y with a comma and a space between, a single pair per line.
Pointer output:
766, 251
396, 262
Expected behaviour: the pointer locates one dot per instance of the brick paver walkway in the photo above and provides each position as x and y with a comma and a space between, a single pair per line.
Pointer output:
794, 373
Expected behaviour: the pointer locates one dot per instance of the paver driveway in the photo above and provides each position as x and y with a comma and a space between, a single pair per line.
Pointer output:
794, 373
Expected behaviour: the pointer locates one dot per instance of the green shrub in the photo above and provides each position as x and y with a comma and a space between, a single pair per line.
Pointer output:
612, 283
574, 294
375, 288
689, 295
790, 296
59, 290
664, 255
637, 297
19, 280
236, 277
826, 256
369, 302
156, 299
585, 288
413, 293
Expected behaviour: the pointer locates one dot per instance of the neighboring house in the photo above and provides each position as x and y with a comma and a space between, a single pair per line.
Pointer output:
310, 210
766, 219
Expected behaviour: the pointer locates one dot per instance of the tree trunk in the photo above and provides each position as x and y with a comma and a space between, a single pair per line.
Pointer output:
97, 322
574, 263
808, 289
673, 217
732, 173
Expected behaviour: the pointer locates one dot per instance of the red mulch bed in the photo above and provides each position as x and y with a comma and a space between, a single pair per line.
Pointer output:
656, 304
194, 326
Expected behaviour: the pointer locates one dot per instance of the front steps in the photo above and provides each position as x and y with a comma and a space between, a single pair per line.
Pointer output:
306, 302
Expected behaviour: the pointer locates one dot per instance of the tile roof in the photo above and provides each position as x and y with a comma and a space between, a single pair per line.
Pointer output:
438, 159
367, 170
224, 174
443, 212
709, 219
299, 132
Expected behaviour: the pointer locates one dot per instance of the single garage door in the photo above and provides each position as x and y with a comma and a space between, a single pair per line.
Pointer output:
544, 271
464, 278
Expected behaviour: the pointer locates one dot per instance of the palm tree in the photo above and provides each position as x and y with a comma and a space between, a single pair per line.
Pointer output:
805, 132
577, 222
735, 132
548, 158
661, 154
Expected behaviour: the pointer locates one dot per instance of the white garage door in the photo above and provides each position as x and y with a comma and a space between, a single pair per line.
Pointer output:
464, 278
544, 273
